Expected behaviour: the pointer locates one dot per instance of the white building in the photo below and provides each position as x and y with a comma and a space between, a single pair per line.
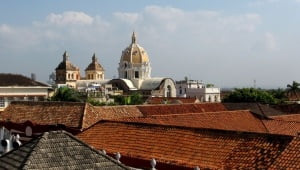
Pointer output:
194, 88
135, 71
134, 75
20, 88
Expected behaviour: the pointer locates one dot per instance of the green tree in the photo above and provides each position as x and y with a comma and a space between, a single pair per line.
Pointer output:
95, 102
133, 99
293, 88
136, 98
279, 94
250, 95
67, 94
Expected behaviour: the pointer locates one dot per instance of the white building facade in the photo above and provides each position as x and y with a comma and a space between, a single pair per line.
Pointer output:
194, 88
20, 88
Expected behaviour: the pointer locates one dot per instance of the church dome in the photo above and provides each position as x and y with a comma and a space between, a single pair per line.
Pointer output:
94, 65
134, 53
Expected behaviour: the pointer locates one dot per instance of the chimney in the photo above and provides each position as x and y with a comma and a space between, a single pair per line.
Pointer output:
33, 76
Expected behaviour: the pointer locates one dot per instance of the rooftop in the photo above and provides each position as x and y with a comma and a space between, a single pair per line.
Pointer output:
148, 110
7, 79
186, 147
57, 150
241, 120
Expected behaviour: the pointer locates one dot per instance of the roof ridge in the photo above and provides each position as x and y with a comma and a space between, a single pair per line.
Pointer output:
184, 127
191, 113
83, 115
29, 154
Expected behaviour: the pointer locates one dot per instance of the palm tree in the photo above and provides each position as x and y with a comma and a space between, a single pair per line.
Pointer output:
293, 88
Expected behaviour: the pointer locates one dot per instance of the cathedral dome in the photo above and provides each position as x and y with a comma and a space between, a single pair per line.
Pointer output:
134, 53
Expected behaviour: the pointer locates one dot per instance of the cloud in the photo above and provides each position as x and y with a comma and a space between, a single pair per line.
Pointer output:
5, 29
130, 18
175, 38
70, 17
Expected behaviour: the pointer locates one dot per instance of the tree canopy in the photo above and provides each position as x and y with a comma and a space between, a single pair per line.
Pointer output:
293, 89
250, 95
67, 94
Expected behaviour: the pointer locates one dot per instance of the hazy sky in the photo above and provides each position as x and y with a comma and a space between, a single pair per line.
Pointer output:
230, 43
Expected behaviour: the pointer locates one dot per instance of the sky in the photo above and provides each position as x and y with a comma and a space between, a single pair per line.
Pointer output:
229, 43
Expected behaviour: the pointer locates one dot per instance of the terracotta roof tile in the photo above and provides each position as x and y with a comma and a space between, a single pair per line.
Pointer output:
290, 157
282, 127
261, 109
148, 110
170, 100
45, 113
186, 147
242, 120
69, 114
290, 117
116, 112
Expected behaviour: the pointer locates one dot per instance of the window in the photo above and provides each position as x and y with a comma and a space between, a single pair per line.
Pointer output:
2, 103
169, 91
125, 75
136, 74
180, 90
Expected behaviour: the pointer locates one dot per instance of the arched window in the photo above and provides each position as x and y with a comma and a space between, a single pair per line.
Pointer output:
136, 74
169, 91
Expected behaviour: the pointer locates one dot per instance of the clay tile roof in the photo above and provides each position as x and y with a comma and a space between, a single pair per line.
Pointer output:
70, 114
45, 113
242, 120
185, 147
117, 112
148, 110
57, 150
291, 117
18, 80
262, 109
290, 157
170, 100
282, 127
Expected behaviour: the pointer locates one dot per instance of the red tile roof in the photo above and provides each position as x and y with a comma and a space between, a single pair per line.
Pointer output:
290, 117
242, 120
262, 109
69, 114
148, 110
282, 127
116, 112
186, 147
290, 157
45, 113
171, 100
